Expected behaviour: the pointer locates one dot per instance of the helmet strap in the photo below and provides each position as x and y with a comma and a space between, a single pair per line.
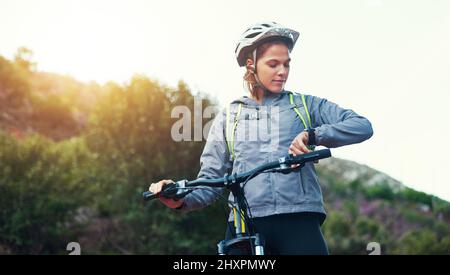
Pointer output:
256, 75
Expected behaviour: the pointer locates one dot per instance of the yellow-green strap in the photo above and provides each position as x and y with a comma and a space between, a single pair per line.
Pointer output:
291, 98
227, 130
230, 135
311, 147
306, 109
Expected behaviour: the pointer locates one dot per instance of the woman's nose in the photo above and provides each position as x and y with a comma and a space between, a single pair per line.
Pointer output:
283, 71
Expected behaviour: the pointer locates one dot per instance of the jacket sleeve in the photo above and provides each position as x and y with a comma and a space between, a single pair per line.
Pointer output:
336, 126
214, 163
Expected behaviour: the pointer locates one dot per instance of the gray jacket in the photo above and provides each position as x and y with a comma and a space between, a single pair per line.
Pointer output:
263, 134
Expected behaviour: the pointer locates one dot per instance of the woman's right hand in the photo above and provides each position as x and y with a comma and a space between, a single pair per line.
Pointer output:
156, 188
299, 146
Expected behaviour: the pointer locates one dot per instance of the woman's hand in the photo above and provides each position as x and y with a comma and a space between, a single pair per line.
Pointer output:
156, 188
299, 146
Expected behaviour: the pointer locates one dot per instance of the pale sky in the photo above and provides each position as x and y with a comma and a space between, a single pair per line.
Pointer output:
386, 60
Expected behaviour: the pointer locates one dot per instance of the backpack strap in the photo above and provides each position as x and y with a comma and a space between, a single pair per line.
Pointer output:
305, 107
295, 107
230, 136
230, 132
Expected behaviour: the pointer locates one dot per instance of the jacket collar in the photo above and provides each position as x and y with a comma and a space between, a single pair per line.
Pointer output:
269, 99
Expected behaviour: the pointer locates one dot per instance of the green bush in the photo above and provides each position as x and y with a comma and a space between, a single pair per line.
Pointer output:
418, 218
42, 184
379, 191
423, 241
14, 84
414, 196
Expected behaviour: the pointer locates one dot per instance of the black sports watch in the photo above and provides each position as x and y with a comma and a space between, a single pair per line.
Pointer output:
311, 136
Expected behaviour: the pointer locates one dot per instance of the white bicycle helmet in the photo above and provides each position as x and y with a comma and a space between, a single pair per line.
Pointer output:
260, 33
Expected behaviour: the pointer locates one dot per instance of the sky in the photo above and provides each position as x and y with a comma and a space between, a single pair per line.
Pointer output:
386, 60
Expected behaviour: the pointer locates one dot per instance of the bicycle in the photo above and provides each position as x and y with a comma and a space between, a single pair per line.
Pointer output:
181, 188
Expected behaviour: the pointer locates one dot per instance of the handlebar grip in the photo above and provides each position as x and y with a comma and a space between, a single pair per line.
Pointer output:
147, 195
324, 153
313, 156
168, 191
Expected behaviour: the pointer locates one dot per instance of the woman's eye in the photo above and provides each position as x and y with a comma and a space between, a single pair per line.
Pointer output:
272, 65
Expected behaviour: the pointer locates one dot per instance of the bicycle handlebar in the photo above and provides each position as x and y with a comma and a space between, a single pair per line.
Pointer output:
177, 189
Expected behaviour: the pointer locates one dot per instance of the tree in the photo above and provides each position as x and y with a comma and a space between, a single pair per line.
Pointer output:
24, 59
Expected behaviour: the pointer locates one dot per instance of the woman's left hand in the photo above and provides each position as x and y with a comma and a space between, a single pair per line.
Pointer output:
299, 146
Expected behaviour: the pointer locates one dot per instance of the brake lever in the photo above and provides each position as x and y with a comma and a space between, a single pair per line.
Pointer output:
176, 191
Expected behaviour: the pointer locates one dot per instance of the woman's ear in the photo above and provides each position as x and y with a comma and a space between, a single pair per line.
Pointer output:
249, 64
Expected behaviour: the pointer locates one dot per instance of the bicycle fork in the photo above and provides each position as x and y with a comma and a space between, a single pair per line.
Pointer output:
240, 229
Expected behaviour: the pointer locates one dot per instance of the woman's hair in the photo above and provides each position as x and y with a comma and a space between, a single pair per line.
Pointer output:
249, 77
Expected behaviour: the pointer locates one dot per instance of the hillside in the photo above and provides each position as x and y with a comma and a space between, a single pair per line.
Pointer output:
371, 201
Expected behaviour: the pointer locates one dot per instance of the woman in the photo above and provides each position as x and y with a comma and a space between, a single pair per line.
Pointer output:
287, 208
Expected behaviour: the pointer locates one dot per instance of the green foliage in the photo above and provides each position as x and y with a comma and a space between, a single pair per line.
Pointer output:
418, 218
41, 185
126, 146
380, 190
53, 117
347, 233
130, 131
24, 59
414, 196
14, 84
423, 242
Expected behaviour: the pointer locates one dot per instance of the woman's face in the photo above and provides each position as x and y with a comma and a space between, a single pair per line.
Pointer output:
272, 67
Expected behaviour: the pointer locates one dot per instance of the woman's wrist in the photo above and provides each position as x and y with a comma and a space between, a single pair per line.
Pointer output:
181, 204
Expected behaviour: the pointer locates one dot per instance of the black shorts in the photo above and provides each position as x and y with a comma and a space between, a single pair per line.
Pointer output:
286, 234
